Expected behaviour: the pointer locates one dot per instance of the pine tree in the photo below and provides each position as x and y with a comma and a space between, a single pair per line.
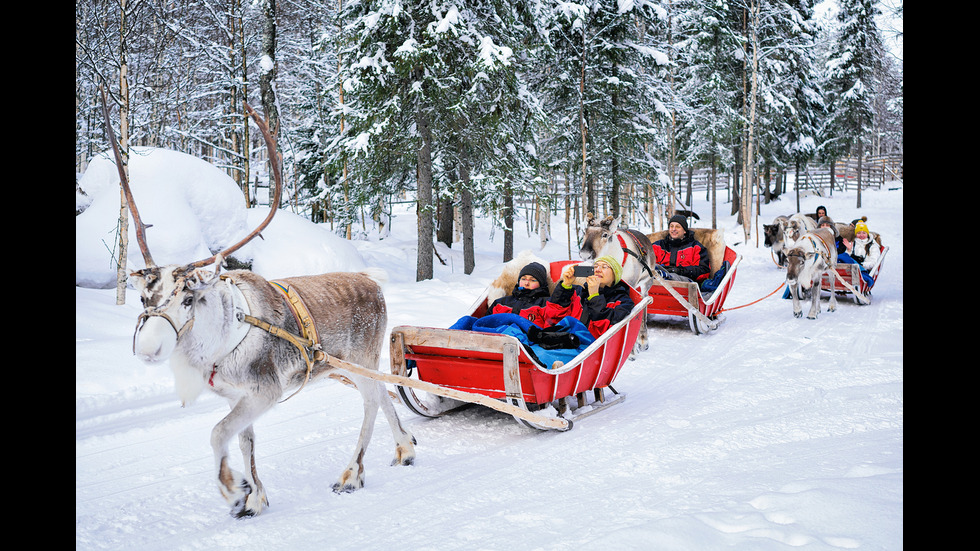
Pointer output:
709, 82
852, 69
607, 94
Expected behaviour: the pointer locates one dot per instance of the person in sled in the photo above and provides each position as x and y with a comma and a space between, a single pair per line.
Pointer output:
602, 302
842, 256
679, 256
529, 297
864, 250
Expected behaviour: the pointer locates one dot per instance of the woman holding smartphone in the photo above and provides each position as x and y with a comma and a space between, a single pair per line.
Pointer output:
602, 302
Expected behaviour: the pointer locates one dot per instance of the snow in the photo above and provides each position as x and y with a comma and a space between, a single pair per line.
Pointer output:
769, 433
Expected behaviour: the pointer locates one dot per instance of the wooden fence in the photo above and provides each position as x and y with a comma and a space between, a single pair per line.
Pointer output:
876, 171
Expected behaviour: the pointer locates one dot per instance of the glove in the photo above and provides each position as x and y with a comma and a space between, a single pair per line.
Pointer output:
551, 338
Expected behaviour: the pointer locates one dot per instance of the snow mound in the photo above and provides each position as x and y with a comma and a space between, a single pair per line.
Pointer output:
192, 209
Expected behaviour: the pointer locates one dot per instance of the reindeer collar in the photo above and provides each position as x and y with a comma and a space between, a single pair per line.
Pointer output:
308, 343
627, 252
240, 305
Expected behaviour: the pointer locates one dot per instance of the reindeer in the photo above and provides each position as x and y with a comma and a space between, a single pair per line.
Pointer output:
796, 226
774, 237
813, 255
250, 341
633, 250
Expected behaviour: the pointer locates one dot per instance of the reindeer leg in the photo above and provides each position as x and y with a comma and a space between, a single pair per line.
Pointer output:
814, 299
404, 440
353, 476
235, 487
833, 289
257, 500
794, 292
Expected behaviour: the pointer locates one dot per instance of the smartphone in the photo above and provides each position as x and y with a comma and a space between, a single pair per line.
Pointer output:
584, 271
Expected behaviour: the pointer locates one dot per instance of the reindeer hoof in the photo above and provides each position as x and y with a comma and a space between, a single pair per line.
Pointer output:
404, 456
348, 482
407, 461
249, 504
339, 488
798, 314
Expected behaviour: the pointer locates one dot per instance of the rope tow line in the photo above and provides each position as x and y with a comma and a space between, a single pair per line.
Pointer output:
754, 301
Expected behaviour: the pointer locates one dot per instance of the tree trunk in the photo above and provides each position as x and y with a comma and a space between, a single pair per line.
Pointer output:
424, 209
797, 186
121, 271
860, 170
689, 190
508, 215
586, 183
750, 159
238, 163
267, 79
714, 192
444, 232
466, 215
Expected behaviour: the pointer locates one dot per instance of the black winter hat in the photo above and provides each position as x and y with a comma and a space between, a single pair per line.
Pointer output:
536, 271
680, 219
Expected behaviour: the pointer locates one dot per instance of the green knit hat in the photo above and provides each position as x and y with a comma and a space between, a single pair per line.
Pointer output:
617, 268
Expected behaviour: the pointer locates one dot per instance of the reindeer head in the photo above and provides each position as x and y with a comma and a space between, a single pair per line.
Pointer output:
169, 293
772, 233
598, 236
800, 263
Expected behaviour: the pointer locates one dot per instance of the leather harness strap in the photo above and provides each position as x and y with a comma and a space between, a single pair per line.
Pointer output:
627, 252
308, 342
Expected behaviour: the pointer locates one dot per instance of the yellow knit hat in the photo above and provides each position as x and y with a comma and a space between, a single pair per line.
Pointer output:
861, 226
617, 268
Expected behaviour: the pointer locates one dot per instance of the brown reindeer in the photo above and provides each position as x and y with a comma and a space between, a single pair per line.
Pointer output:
250, 341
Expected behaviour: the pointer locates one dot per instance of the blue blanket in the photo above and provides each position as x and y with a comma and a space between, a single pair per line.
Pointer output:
516, 326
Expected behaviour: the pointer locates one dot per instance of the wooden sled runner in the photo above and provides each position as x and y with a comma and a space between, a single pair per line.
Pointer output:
685, 298
850, 274
450, 368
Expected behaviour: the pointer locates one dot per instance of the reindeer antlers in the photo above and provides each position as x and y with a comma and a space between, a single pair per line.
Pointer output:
140, 226
592, 221
270, 144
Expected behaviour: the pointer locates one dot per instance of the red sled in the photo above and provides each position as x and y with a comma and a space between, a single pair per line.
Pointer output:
703, 310
456, 367
851, 274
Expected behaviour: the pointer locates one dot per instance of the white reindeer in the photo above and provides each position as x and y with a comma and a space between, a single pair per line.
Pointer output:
631, 248
796, 227
240, 337
813, 255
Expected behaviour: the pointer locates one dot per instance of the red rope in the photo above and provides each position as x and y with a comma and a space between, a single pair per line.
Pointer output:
755, 301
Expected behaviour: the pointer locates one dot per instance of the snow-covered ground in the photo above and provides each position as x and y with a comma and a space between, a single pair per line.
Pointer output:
770, 433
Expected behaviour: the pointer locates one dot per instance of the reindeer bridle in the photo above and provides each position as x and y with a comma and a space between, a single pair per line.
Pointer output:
160, 311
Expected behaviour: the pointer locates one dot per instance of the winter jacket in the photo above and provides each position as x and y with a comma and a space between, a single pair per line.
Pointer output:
866, 252
527, 303
607, 308
684, 256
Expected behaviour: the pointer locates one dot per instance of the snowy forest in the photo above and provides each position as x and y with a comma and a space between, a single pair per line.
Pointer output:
474, 107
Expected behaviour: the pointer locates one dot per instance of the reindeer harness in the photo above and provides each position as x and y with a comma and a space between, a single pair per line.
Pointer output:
627, 252
308, 342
